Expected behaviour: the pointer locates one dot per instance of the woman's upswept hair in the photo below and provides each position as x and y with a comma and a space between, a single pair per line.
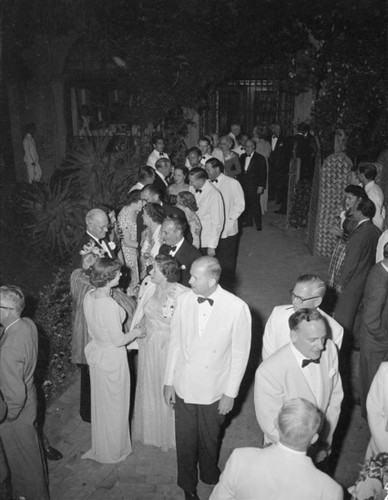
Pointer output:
103, 271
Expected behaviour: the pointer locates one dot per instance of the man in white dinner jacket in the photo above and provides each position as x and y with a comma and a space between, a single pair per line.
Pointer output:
208, 353
211, 210
234, 205
282, 471
308, 292
307, 367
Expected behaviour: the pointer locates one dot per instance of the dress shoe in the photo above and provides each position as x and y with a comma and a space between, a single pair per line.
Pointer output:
191, 496
52, 453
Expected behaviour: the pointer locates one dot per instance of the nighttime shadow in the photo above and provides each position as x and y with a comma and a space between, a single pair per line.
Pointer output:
253, 363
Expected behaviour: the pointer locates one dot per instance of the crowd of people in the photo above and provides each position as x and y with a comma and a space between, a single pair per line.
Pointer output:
152, 293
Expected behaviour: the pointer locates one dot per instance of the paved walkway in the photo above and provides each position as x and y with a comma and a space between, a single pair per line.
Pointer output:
268, 264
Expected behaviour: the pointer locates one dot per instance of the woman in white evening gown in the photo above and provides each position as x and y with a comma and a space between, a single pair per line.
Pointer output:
153, 421
107, 359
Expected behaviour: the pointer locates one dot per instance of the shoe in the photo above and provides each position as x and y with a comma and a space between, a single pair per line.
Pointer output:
191, 496
52, 453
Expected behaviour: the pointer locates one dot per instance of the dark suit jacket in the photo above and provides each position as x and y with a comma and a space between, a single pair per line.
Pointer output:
256, 175
360, 257
158, 183
185, 256
77, 257
279, 159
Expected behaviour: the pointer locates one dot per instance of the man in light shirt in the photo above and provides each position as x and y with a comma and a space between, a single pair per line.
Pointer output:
367, 173
158, 151
307, 367
234, 204
208, 353
309, 291
210, 210
282, 471
31, 158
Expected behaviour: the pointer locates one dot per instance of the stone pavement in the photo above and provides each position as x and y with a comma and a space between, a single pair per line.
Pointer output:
268, 263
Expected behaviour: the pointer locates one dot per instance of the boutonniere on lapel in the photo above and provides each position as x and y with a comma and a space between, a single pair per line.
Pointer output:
111, 245
183, 267
91, 247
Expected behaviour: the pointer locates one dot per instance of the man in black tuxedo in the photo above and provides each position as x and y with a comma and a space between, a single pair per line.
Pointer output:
97, 226
279, 161
177, 246
253, 179
163, 171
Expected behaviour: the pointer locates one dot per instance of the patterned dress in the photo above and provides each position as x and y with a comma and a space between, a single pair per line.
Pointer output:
128, 226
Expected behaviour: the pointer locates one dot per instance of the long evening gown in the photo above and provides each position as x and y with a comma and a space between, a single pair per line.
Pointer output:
153, 420
110, 383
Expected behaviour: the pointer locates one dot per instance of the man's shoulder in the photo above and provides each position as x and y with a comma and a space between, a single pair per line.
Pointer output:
189, 250
278, 359
20, 334
228, 298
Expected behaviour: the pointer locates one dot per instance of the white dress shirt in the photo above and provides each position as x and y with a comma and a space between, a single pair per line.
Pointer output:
274, 141
311, 373
154, 157
177, 247
234, 203
247, 162
210, 213
375, 194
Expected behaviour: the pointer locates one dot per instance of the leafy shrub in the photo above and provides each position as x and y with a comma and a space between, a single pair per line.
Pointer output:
300, 208
53, 319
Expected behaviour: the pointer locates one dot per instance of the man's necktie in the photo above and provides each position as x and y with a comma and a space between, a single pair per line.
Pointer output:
214, 180
306, 362
201, 300
198, 190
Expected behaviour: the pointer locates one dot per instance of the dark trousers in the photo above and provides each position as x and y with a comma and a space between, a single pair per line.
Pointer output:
226, 253
252, 211
197, 429
84, 398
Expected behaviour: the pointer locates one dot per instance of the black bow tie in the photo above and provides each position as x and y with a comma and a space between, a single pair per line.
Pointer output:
172, 249
198, 190
306, 362
248, 156
201, 300
274, 137
214, 180
203, 157
161, 154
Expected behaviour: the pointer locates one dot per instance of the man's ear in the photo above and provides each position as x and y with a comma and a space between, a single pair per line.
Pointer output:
318, 301
314, 438
292, 336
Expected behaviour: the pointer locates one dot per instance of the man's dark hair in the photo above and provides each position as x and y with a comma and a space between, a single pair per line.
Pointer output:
157, 137
369, 170
179, 223
358, 191
303, 314
367, 208
215, 163
146, 172
198, 173
155, 212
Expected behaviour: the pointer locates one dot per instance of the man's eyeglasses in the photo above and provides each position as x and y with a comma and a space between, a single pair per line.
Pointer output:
10, 308
301, 300
107, 227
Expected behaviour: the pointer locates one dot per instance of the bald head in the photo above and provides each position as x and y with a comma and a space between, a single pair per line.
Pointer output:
250, 146
97, 223
205, 273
